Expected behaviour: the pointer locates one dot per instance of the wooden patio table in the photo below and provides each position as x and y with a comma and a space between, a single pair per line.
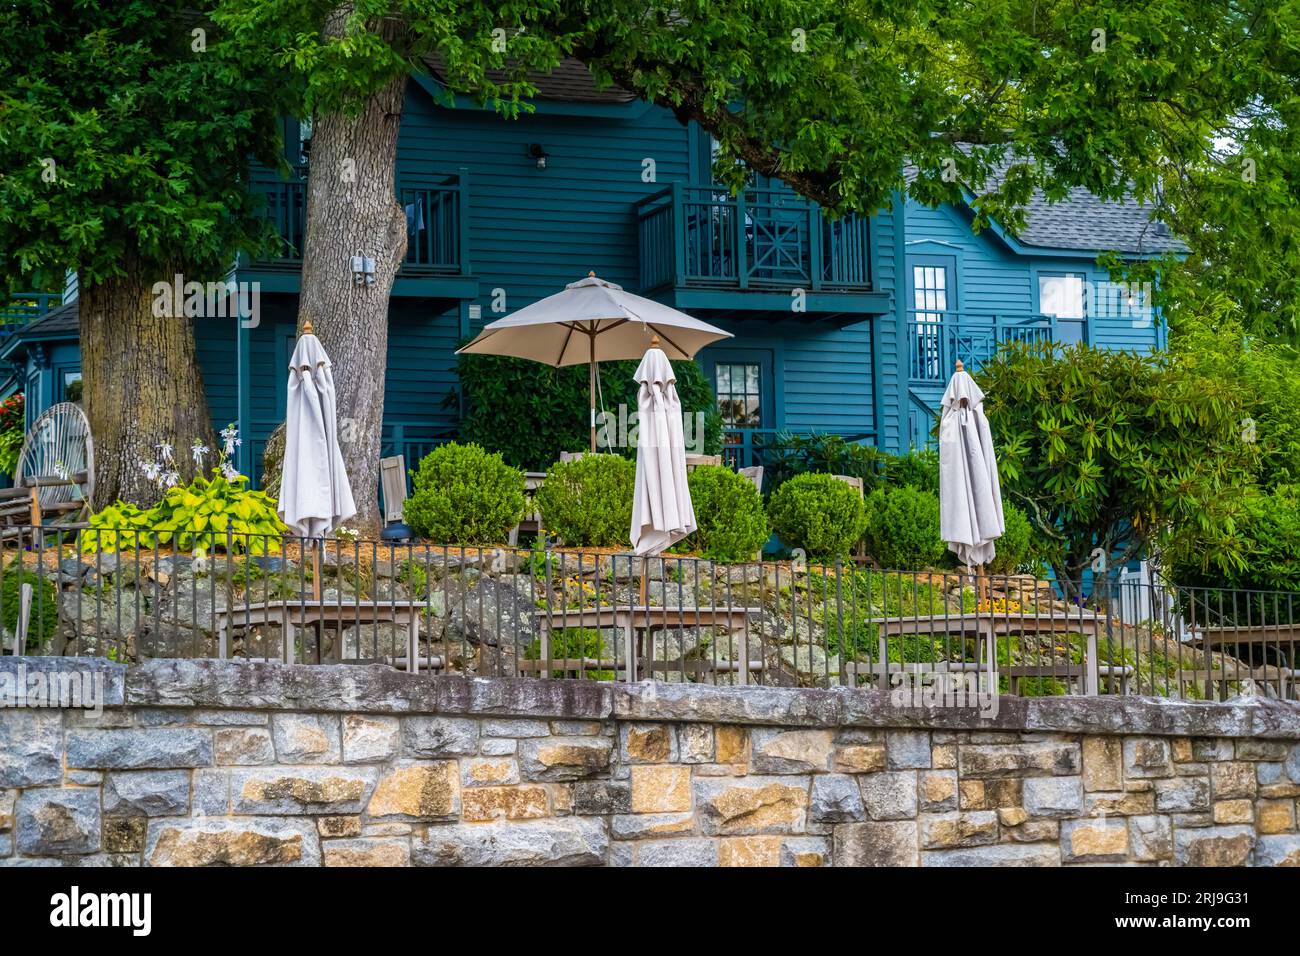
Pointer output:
987, 626
311, 612
633, 621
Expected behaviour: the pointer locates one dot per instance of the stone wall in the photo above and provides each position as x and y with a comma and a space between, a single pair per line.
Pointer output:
203, 762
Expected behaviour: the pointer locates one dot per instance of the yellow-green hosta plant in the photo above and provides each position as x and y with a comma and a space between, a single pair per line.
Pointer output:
208, 514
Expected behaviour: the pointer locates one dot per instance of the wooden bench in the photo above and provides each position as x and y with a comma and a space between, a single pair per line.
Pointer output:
23, 515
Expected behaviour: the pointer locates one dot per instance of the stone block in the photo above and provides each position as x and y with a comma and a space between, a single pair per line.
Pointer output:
749, 851
600, 797
488, 771
907, 749
740, 806
889, 795
271, 791
1147, 757
635, 826
485, 804
945, 830
1278, 851
1053, 796
1214, 846
806, 851
452, 736
1030, 759
773, 750
342, 826
836, 799
139, 749
695, 741
1253, 748
990, 794
124, 834
306, 738
937, 792
661, 789
1122, 804
875, 844
648, 743
859, 758
147, 793
368, 739
1006, 854
50, 822
1151, 838
243, 746
31, 748
1182, 794
513, 728
556, 841
1094, 841
417, 790
1103, 763
1234, 811
1275, 816
732, 744
1232, 780
232, 841
366, 852
564, 758
689, 851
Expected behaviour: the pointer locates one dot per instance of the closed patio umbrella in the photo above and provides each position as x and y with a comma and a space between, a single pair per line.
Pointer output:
970, 499
315, 497
661, 505
592, 321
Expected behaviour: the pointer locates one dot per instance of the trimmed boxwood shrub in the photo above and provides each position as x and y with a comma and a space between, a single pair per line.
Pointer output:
818, 513
1019, 545
465, 495
902, 529
588, 502
43, 621
729, 512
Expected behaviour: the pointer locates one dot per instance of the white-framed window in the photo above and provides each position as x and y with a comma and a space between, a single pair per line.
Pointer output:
1063, 295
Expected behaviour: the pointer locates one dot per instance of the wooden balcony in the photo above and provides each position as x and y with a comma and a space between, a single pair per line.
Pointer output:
702, 248
437, 258
935, 340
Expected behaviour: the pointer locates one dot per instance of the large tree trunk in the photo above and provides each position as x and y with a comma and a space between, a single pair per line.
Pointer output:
352, 208
141, 386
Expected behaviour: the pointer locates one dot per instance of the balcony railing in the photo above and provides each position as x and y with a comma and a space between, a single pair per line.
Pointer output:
935, 340
760, 239
23, 308
437, 222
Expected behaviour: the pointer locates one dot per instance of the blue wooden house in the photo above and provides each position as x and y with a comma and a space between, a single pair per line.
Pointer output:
848, 326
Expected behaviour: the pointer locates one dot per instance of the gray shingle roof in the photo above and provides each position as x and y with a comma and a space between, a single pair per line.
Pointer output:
57, 321
569, 82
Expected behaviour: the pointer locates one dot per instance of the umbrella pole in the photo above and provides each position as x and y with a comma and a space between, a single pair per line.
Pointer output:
591, 383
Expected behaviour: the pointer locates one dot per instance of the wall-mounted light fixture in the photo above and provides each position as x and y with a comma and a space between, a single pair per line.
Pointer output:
535, 150
363, 270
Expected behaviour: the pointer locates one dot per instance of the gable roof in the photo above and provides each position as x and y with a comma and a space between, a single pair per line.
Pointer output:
569, 82
1084, 222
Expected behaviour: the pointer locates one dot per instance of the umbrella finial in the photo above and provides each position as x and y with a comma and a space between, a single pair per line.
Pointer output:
960, 367
306, 327
654, 340
591, 273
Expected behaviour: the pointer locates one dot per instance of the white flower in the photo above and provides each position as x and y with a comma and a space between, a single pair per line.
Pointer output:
170, 478
165, 449
198, 450
229, 471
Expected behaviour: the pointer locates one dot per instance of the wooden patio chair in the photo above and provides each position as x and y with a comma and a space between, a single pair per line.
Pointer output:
754, 474
696, 461
55, 477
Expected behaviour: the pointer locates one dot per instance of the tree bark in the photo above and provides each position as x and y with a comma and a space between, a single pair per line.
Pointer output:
352, 210
141, 386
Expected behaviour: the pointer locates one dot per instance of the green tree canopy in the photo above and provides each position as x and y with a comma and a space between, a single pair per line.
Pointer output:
1122, 453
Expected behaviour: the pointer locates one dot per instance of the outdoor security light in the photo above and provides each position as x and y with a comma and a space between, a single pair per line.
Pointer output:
535, 150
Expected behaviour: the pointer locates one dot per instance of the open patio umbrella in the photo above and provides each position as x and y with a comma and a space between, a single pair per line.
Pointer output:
661, 505
970, 499
592, 321
315, 497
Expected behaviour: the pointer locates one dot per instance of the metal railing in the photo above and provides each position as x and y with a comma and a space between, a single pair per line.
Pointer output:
768, 238
560, 613
437, 220
23, 308
936, 339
